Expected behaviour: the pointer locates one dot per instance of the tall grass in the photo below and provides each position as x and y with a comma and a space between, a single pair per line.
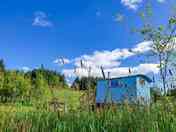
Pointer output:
159, 117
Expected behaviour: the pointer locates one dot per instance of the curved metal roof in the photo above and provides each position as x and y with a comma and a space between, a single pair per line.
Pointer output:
129, 76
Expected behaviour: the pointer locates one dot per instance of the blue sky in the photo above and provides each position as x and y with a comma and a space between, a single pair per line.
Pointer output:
35, 32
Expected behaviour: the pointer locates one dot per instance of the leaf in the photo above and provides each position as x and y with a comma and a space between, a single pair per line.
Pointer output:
161, 28
172, 21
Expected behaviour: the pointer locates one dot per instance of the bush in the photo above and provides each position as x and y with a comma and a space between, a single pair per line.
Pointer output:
14, 85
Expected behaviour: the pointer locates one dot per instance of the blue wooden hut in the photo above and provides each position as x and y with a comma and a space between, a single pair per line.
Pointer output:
132, 88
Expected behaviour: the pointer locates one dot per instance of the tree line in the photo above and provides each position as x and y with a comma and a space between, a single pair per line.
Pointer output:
34, 84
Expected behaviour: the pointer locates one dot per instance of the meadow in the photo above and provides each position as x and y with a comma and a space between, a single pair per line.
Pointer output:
159, 117
41, 101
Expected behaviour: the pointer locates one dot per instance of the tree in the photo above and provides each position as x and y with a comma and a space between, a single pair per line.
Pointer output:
85, 83
2, 65
163, 45
52, 78
40, 87
14, 86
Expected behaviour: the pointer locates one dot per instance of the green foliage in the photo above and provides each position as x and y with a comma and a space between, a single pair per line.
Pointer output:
85, 83
69, 97
2, 65
172, 21
163, 46
33, 85
14, 85
172, 92
40, 88
52, 78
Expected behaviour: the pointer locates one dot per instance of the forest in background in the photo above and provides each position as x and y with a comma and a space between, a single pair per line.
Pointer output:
34, 84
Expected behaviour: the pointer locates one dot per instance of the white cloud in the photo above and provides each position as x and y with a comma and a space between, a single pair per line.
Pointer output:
134, 4
62, 61
145, 68
131, 4
25, 69
142, 47
41, 20
110, 59
100, 58
115, 71
111, 62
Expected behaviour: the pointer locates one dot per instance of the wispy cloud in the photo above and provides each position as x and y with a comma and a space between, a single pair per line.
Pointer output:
41, 20
109, 59
134, 4
131, 4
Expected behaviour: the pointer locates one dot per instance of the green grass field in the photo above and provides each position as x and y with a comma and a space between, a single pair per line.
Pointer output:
159, 117
65, 96
69, 97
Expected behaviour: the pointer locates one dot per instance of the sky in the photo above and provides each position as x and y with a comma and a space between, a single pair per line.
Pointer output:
35, 32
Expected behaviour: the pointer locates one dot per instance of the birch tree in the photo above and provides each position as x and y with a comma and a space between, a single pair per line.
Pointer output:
163, 45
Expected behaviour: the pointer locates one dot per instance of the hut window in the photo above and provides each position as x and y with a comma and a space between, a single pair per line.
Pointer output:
116, 83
